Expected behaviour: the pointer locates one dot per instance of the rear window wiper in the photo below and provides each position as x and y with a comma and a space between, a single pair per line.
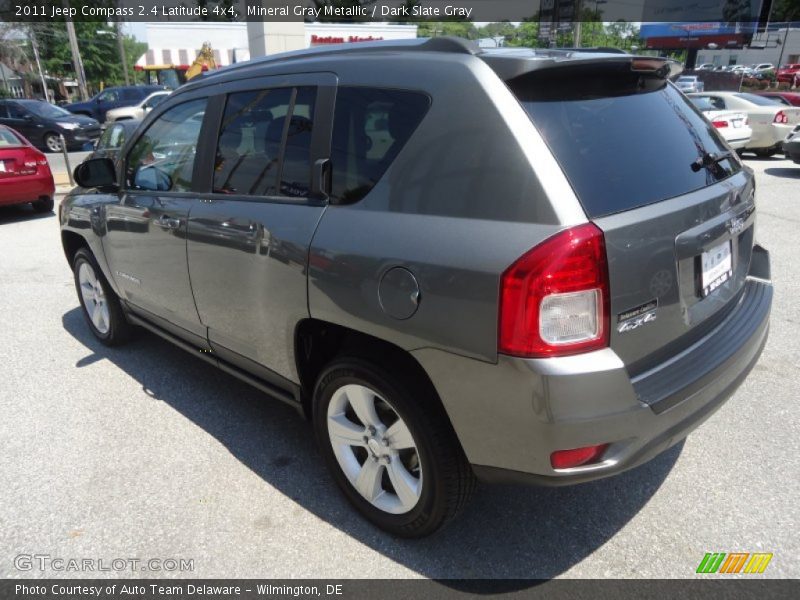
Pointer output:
709, 159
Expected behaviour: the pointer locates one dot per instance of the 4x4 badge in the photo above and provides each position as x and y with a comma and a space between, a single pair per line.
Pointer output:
636, 317
636, 322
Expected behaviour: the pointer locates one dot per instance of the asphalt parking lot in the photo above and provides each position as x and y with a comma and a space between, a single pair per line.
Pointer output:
146, 452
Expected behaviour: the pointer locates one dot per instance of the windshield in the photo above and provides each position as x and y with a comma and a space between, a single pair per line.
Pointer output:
586, 122
686, 79
47, 111
760, 100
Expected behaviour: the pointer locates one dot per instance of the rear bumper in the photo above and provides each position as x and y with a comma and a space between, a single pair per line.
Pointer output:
26, 188
511, 416
768, 136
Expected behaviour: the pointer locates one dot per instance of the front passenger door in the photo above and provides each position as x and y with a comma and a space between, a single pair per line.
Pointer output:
146, 232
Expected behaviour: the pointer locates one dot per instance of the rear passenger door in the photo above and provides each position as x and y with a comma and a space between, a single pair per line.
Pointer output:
249, 235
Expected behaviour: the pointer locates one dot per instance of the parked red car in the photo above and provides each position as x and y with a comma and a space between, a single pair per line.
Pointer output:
787, 73
787, 98
24, 173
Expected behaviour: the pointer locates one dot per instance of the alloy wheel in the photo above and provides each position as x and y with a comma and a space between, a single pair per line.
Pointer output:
374, 448
94, 298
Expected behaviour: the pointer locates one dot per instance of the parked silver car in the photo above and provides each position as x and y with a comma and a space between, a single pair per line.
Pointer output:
451, 260
690, 83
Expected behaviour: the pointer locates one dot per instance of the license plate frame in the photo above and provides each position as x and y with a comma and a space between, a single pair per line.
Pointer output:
716, 267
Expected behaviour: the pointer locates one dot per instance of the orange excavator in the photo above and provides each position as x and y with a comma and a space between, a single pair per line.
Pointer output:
204, 62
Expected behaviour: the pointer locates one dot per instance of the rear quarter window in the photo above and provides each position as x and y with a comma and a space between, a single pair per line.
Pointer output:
370, 127
622, 142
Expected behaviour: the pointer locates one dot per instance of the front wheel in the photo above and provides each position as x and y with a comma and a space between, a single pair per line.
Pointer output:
390, 448
52, 142
101, 306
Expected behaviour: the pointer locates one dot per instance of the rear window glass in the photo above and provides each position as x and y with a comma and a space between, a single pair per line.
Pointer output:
8, 138
623, 141
760, 100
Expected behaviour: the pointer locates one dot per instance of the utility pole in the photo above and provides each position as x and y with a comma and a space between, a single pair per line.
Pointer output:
122, 56
80, 74
35, 47
577, 25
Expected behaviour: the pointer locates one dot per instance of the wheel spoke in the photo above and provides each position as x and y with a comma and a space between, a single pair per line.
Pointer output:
368, 482
97, 317
344, 431
399, 436
363, 402
406, 486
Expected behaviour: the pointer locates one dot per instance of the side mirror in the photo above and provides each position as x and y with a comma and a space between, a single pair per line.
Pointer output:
27, 117
96, 173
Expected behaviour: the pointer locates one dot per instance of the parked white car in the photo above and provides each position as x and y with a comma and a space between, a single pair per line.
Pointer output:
770, 121
732, 125
690, 83
137, 111
705, 67
762, 67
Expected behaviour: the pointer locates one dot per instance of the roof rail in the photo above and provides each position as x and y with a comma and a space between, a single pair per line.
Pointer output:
450, 44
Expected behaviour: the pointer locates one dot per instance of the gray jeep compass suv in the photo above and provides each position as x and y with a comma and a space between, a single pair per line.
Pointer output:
511, 265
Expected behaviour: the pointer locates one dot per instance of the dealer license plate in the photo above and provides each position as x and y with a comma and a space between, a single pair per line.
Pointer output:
717, 267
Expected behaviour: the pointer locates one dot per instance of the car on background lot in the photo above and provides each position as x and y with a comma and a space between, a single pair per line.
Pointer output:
762, 68
111, 98
137, 111
705, 67
791, 145
788, 73
25, 175
114, 137
446, 257
770, 120
44, 124
787, 98
690, 83
731, 125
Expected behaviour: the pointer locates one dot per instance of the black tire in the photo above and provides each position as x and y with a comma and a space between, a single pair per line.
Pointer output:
447, 478
52, 142
765, 152
43, 205
119, 330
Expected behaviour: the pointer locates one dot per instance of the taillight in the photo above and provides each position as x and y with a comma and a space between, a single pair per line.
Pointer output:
781, 117
566, 459
719, 124
554, 299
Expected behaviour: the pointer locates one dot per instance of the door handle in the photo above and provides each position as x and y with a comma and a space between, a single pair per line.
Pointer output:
168, 222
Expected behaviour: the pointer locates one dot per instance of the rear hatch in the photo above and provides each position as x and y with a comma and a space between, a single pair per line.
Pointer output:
675, 205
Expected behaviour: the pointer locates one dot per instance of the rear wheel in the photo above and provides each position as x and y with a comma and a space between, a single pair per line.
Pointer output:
43, 205
52, 142
390, 448
101, 306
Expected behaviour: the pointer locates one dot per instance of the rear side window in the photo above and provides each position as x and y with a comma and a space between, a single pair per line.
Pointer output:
622, 141
370, 127
264, 146
163, 157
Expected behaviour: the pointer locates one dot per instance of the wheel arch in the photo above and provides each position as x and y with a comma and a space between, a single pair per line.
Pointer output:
319, 342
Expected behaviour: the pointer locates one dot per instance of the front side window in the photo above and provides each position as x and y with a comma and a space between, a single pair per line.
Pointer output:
163, 157
113, 137
370, 127
264, 146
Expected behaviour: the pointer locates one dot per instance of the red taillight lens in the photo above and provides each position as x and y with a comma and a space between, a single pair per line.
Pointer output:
781, 117
554, 299
565, 459
719, 124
